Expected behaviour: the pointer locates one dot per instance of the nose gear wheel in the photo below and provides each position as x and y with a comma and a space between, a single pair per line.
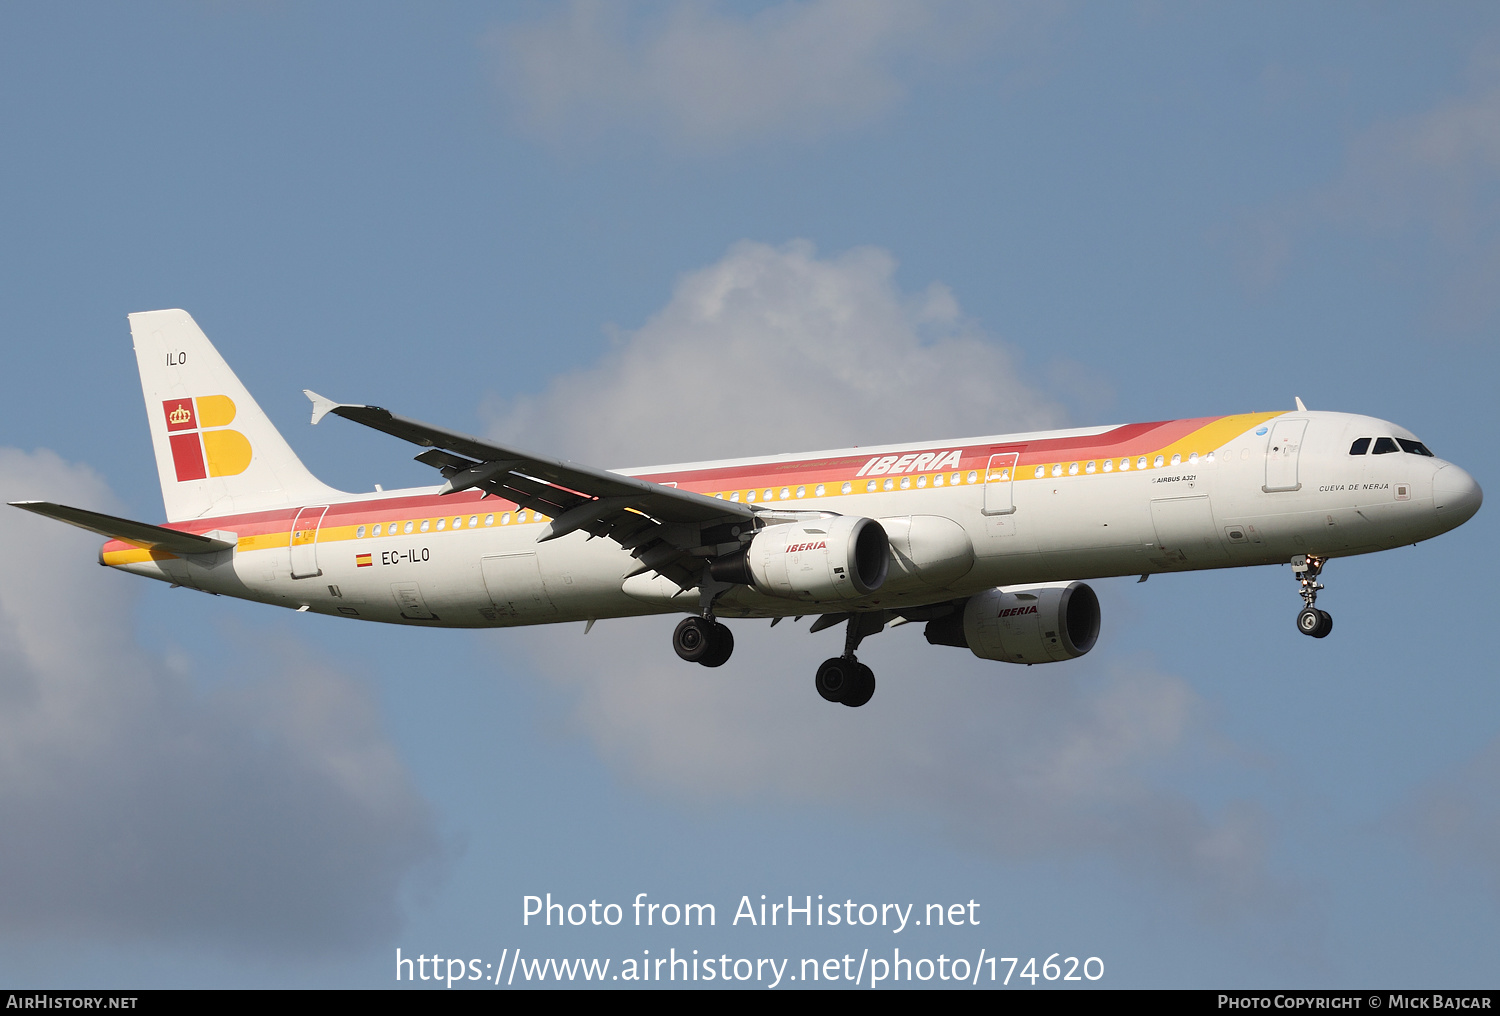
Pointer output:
1314, 622
1310, 620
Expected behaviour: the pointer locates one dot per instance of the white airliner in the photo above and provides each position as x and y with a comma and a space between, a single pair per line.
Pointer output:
984, 539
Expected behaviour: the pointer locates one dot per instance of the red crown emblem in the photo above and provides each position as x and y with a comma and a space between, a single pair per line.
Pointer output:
179, 415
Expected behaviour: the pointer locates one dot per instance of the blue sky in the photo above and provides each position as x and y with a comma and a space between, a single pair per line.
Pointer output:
629, 234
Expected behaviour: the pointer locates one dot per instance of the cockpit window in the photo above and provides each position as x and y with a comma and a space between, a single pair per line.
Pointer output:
1415, 447
1360, 447
1385, 445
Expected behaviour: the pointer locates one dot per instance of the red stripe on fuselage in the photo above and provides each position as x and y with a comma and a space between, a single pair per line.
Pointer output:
1127, 440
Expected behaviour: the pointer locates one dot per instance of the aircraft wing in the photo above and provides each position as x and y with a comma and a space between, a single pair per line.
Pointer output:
140, 534
667, 530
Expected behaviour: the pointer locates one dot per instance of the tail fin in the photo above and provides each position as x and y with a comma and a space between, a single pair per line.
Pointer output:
217, 453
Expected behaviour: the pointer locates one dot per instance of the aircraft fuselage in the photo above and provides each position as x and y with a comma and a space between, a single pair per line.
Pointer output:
963, 516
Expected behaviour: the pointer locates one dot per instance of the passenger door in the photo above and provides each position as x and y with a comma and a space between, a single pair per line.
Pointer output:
304, 544
1282, 453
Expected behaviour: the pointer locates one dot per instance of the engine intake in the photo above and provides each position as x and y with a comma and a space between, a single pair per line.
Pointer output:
829, 559
1024, 624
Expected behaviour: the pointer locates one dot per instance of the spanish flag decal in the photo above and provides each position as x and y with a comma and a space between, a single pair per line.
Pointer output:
361, 560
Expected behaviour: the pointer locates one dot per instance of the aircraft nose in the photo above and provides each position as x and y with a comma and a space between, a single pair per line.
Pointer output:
1455, 494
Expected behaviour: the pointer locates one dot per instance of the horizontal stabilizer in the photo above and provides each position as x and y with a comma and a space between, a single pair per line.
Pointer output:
140, 534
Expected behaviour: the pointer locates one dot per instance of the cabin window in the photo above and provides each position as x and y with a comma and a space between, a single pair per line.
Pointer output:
818, 490
801, 492
474, 521
1089, 468
870, 486
906, 483
1414, 447
1140, 463
1124, 464
1158, 463
847, 488
406, 528
1073, 469
937, 481
1177, 459
785, 493
1109, 464
442, 524
1384, 446
359, 534
889, 484
921, 481
973, 477
734, 495
426, 525
1360, 446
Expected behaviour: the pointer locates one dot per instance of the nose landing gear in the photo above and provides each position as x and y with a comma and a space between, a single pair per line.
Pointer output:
1311, 620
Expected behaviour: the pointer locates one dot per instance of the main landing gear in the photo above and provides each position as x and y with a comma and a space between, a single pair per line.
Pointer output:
701, 640
1311, 620
843, 678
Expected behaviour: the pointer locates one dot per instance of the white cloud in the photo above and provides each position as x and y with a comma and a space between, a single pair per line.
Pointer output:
705, 77
775, 349
1055, 761
268, 814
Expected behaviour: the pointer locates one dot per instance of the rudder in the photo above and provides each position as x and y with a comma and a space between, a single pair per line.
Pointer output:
217, 453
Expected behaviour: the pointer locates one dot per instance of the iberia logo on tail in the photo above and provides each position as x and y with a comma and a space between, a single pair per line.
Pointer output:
200, 446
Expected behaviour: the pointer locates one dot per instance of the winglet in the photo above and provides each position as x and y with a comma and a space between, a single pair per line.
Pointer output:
321, 406
1300, 407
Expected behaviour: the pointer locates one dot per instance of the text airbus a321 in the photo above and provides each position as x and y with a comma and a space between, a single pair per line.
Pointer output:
985, 540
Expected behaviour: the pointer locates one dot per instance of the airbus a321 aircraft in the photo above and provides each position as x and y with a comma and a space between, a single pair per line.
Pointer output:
984, 540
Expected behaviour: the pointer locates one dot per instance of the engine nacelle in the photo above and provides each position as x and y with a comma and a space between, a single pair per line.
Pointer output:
1024, 624
821, 560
